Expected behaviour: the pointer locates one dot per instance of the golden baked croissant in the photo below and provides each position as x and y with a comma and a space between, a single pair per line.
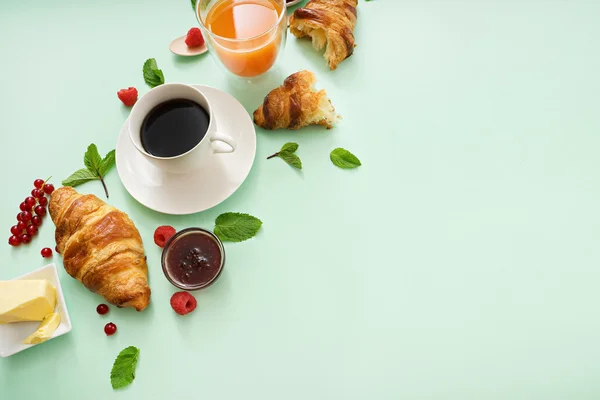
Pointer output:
101, 248
328, 22
295, 104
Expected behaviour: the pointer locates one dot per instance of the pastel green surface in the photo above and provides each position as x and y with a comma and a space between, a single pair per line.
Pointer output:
460, 261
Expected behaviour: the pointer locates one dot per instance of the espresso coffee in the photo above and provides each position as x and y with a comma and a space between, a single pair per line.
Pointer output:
174, 127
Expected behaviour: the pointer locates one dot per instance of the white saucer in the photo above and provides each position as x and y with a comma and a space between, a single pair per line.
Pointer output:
200, 190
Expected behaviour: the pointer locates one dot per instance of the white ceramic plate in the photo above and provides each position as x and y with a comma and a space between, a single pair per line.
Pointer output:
12, 335
221, 176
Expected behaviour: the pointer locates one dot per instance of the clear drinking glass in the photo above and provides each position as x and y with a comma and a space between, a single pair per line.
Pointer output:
246, 57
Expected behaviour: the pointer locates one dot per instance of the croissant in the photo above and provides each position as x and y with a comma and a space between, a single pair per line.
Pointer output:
328, 22
101, 248
295, 104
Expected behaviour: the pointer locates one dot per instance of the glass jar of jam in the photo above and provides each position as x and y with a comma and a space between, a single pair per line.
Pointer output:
193, 258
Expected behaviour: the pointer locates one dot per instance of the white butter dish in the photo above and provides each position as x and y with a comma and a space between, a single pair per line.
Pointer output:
12, 335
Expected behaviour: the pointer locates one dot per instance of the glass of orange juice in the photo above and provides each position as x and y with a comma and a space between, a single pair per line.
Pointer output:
246, 37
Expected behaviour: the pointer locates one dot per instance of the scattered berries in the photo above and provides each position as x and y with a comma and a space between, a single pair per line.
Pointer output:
46, 251
194, 38
110, 329
33, 209
102, 309
183, 303
56, 249
128, 96
162, 234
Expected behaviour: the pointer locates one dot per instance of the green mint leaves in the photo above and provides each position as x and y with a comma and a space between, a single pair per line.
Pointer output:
194, 4
123, 370
287, 154
344, 159
152, 75
236, 227
96, 168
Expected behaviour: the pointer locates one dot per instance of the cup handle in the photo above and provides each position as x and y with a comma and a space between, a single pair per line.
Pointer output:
218, 147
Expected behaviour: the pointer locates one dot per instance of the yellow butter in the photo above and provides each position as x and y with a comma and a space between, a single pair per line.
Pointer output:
45, 330
26, 300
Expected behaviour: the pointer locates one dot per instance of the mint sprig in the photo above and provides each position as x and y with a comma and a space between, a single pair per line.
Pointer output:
344, 159
123, 370
236, 227
152, 75
96, 168
287, 154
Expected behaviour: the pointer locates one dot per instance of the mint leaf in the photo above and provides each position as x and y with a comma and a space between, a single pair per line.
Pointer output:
236, 227
96, 168
107, 163
344, 159
92, 158
290, 146
291, 159
80, 176
194, 4
152, 75
287, 154
123, 370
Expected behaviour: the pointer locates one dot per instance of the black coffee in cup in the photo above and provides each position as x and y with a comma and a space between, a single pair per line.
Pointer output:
174, 127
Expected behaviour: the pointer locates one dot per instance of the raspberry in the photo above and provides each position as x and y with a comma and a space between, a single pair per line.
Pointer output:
194, 38
162, 234
128, 96
183, 303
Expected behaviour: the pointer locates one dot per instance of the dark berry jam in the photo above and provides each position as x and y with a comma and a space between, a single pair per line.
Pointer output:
193, 259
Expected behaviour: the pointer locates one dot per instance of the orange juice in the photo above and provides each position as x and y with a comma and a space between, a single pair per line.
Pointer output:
249, 46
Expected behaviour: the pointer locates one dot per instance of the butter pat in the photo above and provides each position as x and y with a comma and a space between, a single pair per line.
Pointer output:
26, 300
45, 330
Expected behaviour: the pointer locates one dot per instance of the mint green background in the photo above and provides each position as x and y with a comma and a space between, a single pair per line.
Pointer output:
461, 261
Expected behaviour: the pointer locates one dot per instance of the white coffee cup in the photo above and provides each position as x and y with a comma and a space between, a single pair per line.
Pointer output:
194, 158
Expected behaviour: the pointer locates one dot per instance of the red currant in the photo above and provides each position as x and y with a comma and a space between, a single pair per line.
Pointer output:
25, 238
23, 207
30, 202
35, 193
102, 309
14, 240
19, 217
49, 188
56, 249
25, 216
38, 183
15, 230
40, 210
36, 220
43, 201
21, 226
40, 194
32, 230
110, 329
46, 252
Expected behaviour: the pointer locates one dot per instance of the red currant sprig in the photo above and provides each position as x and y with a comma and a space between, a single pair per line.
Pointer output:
33, 210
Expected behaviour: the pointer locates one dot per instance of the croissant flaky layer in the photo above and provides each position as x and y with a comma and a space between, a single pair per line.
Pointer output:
329, 23
295, 104
101, 248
